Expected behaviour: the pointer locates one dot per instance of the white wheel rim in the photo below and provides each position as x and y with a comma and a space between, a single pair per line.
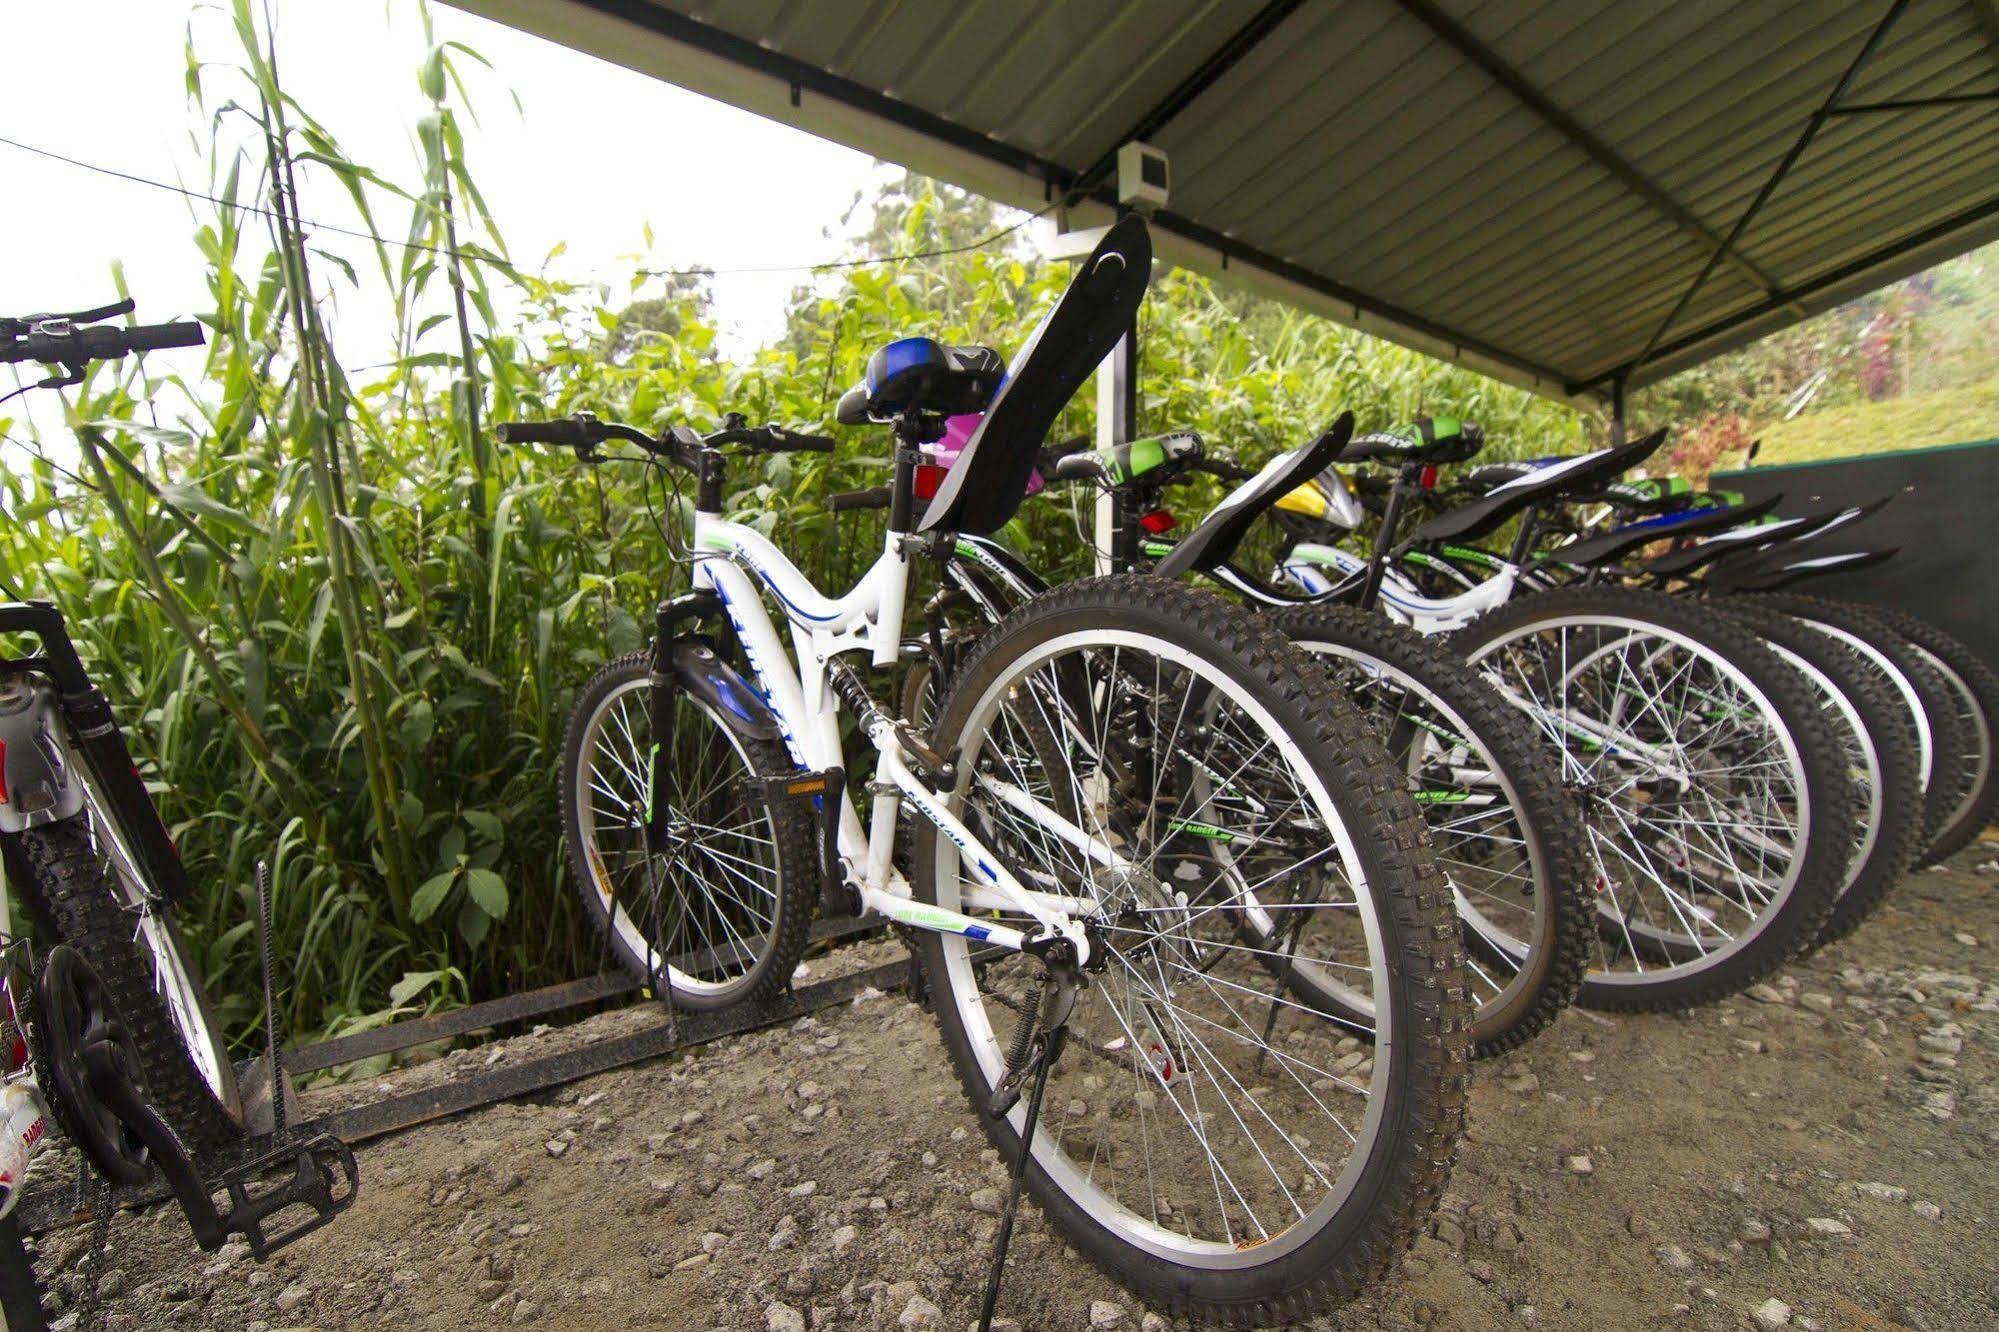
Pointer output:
1075, 1178
1614, 859
731, 874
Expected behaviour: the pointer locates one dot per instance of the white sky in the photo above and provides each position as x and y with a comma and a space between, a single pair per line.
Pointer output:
594, 153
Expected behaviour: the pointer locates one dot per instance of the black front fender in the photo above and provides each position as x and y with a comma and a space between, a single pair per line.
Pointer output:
705, 676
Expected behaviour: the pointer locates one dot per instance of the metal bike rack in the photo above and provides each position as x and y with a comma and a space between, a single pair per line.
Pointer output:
53, 1205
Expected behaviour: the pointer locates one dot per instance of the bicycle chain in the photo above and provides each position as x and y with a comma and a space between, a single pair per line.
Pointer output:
96, 1256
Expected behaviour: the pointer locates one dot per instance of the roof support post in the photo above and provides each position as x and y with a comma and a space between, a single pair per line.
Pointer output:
1117, 414
1617, 428
1790, 159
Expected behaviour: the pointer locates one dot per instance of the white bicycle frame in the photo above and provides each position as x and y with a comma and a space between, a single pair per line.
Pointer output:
741, 566
1307, 567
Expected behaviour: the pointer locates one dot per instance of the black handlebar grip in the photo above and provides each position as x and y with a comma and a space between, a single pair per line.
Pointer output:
1225, 469
875, 497
562, 432
153, 337
792, 441
99, 343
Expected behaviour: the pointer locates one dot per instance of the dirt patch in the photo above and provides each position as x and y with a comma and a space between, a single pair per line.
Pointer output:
1825, 1152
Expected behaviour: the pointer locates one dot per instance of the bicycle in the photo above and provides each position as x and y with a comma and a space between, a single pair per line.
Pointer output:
1916, 721
1053, 898
1716, 794
113, 1038
80, 839
1506, 833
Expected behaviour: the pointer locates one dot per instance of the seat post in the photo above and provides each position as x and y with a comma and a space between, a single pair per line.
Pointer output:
1523, 540
909, 436
1384, 537
1123, 530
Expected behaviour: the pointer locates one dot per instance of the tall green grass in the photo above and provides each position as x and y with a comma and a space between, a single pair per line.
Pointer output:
343, 629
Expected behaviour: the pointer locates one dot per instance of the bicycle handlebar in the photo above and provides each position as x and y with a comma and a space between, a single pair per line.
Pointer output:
583, 432
564, 432
874, 497
61, 341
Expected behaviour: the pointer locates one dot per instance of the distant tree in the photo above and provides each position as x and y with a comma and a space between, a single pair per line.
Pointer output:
687, 298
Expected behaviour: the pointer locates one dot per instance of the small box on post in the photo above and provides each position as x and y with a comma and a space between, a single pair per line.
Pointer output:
1143, 177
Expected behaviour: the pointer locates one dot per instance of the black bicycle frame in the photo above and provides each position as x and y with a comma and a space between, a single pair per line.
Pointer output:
95, 738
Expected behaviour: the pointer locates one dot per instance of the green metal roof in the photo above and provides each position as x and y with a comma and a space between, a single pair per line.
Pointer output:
1567, 194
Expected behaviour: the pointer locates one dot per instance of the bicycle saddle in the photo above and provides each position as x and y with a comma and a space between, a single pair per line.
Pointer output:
987, 484
1605, 547
1222, 530
1427, 439
1535, 486
1765, 574
924, 374
1659, 495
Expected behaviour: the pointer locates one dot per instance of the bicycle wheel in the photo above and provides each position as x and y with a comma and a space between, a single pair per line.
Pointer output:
717, 914
1926, 696
1224, 1150
1506, 834
83, 889
1974, 689
1880, 748
1718, 804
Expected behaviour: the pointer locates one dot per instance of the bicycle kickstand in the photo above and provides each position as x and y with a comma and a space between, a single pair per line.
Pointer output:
1051, 1017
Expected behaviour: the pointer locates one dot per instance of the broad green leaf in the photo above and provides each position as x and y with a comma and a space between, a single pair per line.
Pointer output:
427, 899
489, 890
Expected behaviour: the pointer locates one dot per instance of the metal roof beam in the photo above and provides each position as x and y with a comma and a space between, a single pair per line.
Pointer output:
1527, 94
1987, 14
1224, 58
1790, 159
1887, 254
1917, 103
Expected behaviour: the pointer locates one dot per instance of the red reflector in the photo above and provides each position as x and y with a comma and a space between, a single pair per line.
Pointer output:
929, 476
1428, 480
1158, 521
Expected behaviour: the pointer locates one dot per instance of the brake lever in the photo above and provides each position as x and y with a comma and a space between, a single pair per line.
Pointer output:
21, 324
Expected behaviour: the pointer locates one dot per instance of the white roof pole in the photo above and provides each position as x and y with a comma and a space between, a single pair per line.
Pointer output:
1115, 392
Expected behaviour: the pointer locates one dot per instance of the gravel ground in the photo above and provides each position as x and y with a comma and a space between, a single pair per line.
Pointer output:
1822, 1153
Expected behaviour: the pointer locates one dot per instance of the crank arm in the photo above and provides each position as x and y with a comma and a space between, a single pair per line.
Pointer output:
319, 1169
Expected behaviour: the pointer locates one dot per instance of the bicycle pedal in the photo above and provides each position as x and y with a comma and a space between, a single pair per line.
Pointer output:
324, 1179
822, 790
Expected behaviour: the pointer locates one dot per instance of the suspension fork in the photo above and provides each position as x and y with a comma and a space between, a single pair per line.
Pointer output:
90, 736
662, 685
